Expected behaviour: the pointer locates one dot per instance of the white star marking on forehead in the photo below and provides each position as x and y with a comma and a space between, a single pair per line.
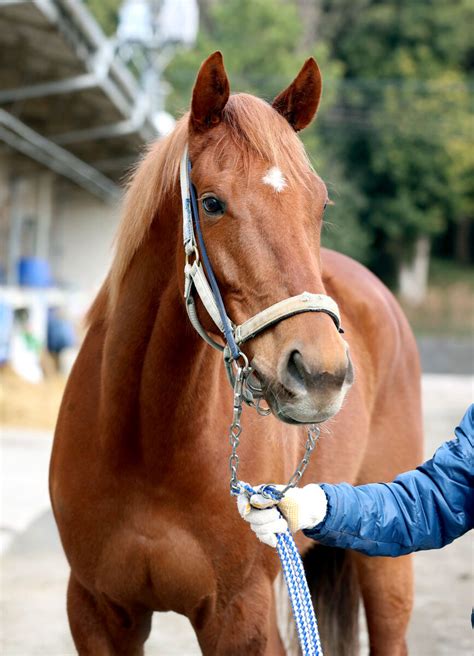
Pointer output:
275, 178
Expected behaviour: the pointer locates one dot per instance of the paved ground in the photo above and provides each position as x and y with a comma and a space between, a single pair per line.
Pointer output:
446, 355
34, 570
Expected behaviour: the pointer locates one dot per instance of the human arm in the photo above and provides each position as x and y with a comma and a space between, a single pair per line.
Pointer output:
426, 508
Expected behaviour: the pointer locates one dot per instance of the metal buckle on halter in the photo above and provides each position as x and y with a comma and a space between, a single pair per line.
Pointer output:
229, 364
191, 250
251, 394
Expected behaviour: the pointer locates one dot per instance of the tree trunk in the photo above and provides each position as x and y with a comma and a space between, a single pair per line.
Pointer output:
413, 275
462, 244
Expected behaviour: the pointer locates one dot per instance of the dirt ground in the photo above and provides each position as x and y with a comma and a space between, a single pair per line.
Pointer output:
34, 570
27, 404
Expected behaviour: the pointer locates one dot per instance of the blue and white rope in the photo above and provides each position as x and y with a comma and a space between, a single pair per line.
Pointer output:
295, 578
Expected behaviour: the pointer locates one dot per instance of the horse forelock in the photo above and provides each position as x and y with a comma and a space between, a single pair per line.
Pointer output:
256, 130
253, 129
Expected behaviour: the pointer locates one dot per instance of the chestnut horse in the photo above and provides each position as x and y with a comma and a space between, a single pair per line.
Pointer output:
139, 473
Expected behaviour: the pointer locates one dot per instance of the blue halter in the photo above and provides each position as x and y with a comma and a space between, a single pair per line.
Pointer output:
228, 331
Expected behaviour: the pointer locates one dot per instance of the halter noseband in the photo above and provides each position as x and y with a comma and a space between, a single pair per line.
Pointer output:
203, 280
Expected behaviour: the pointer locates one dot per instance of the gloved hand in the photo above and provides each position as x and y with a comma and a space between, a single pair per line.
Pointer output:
301, 507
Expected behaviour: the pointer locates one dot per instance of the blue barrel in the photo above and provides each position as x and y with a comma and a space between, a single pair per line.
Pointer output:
34, 272
6, 330
61, 333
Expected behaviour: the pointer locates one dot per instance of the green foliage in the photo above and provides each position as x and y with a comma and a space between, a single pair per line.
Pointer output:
342, 230
257, 39
422, 150
406, 135
106, 13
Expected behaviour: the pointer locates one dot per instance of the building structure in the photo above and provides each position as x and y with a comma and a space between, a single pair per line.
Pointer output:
74, 118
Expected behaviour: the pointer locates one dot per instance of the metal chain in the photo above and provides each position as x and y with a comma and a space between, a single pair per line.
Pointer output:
235, 431
313, 435
298, 592
235, 428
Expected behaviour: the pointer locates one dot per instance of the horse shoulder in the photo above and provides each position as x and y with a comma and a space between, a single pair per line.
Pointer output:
371, 315
387, 371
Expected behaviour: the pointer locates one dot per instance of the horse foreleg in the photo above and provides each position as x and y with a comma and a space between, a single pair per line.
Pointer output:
246, 624
101, 627
386, 585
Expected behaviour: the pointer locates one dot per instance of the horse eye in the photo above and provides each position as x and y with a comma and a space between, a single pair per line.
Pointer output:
325, 205
213, 206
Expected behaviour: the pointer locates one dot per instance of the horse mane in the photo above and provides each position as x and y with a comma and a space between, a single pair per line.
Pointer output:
255, 129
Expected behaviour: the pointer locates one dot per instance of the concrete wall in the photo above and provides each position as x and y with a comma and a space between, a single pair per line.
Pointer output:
4, 213
76, 235
82, 234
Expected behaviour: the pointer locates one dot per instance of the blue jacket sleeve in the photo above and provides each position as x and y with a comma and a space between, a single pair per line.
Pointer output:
426, 508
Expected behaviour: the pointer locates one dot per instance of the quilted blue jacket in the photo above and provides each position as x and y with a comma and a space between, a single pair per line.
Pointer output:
426, 508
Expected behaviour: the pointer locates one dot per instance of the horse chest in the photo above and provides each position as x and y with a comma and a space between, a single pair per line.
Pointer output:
169, 571
169, 564
180, 571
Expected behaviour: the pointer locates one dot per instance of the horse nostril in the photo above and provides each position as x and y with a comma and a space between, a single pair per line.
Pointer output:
300, 374
296, 369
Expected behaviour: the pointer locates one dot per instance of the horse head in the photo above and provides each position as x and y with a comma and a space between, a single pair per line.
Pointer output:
261, 206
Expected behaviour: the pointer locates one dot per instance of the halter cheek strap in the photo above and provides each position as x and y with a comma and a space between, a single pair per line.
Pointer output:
203, 281
206, 288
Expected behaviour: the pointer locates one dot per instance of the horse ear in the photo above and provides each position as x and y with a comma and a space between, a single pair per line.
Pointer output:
210, 93
299, 102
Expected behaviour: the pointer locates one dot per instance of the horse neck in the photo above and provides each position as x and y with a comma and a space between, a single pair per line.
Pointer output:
180, 375
154, 364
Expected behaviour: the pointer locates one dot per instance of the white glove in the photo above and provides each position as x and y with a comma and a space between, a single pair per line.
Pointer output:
301, 507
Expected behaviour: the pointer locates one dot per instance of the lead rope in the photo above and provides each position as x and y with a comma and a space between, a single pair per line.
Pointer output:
291, 563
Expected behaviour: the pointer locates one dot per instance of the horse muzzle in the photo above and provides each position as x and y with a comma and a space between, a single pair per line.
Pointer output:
301, 392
